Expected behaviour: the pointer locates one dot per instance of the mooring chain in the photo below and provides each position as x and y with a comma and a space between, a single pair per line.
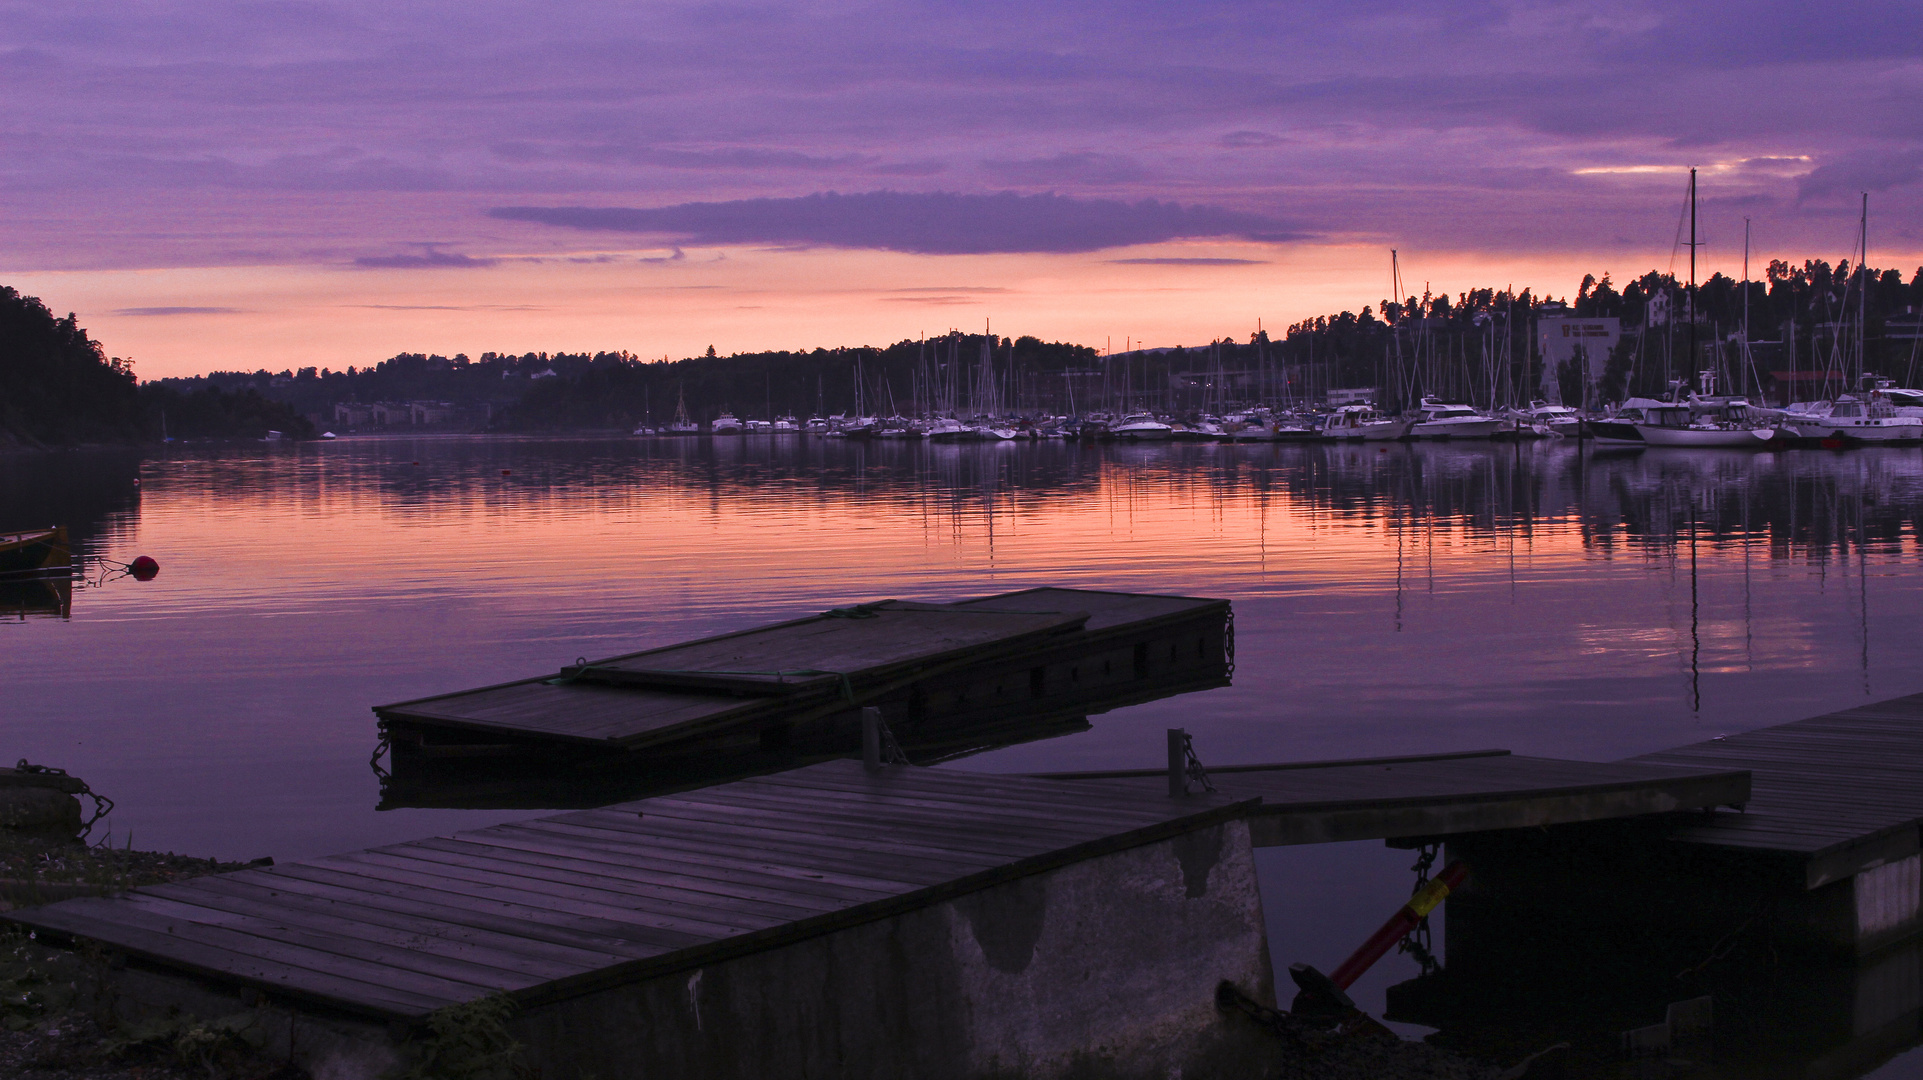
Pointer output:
381, 750
1418, 942
1193, 772
1425, 858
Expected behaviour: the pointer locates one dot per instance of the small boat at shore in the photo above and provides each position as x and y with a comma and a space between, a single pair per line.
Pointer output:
36, 551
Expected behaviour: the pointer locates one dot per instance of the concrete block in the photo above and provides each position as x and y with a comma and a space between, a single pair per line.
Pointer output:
1103, 968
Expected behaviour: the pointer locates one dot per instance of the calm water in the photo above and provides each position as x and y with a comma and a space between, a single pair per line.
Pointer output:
1541, 598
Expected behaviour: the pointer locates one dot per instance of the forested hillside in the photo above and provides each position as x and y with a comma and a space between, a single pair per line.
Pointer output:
59, 387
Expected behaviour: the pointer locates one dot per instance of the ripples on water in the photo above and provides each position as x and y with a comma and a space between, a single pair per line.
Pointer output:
1544, 598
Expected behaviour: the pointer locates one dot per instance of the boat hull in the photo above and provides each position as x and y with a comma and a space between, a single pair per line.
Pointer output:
34, 552
1739, 438
1902, 429
1613, 432
1455, 429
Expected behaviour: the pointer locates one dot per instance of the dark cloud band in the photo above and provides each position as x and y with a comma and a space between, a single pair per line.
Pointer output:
927, 224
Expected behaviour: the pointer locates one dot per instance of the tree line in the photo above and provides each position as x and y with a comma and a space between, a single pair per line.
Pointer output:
59, 387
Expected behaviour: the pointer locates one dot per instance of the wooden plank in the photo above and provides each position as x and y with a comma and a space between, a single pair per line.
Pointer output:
285, 928
219, 963
544, 861
834, 839
693, 871
199, 943
299, 905
318, 884
1097, 804
553, 895
536, 911
1281, 766
726, 891
698, 913
865, 875
837, 816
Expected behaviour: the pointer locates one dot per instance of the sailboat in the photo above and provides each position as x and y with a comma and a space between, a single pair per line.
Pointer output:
681, 425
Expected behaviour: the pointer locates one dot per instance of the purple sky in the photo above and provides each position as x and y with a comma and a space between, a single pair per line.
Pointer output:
396, 144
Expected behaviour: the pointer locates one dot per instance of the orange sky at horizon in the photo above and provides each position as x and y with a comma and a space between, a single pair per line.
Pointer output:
188, 321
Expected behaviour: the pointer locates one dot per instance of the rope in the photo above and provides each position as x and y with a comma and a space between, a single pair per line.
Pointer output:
891, 751
1193, 772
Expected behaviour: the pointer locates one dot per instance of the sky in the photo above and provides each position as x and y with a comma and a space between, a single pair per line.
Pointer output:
238, 185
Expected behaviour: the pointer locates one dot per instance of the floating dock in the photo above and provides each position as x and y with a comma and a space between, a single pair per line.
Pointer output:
796, 685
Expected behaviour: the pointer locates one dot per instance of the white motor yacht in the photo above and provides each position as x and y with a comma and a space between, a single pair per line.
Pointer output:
1871, 418
1442, 421
1360, 423
726, 424
1554, 419
947, 429
1141, 427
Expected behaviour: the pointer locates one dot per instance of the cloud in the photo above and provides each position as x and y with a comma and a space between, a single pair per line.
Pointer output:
1079, 167
431, 259
1243, 140
146, 311
1189, 262
1861, 172
928, 224
450, 307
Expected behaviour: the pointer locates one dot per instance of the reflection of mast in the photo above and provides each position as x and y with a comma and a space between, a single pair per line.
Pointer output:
1695, 625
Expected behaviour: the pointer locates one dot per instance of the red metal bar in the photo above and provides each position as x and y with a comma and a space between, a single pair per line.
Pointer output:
1404, 920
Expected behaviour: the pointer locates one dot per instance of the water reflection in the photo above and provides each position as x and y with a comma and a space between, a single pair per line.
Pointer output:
1403, 599
1410, 599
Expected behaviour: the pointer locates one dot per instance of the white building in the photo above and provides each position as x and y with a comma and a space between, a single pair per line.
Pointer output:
1561, 340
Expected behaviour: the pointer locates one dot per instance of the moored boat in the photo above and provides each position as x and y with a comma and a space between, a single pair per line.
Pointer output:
1359, 423
36, 551
1438, 420
1140, 427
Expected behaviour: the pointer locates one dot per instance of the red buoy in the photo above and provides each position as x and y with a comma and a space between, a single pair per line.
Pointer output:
507, 472
143, 568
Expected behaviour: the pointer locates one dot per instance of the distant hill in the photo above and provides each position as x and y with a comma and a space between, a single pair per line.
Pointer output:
58, 387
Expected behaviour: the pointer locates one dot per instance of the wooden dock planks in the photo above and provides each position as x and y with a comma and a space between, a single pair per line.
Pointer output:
1841, 792
560, 904
1445, 794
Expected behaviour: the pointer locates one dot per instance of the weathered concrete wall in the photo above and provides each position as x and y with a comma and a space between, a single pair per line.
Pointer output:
1104, 968
1887, 901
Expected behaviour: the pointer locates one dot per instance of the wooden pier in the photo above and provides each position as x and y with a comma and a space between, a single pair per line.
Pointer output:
562, 908
1439, 795
1839, 794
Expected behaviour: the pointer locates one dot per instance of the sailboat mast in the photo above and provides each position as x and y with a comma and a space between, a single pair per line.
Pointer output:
1863, 294
1694, 359
1743, 375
